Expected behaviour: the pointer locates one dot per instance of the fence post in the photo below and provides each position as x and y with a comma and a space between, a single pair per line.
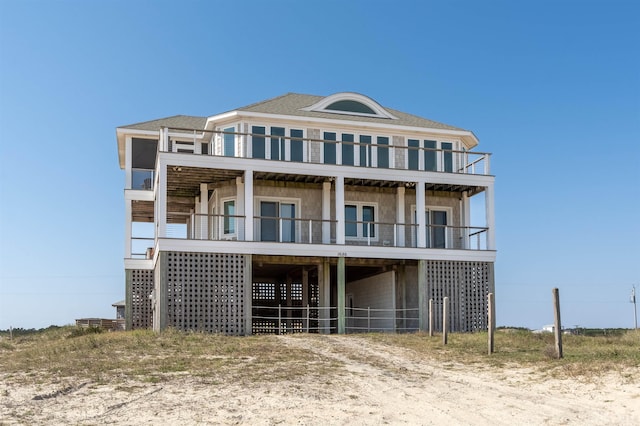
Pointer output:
557, 324
445, 320
492, 321
431, 317
279, 319
307, 327
368, 319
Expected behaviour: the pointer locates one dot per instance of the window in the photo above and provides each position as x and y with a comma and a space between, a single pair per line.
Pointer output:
277, 221
435, 156
383, 152
360, 220
277, 143
365, 150
297, 145
329, 148
229, 221
436, 221
349, 105
229, 142
347, 149
351, 219
257, 142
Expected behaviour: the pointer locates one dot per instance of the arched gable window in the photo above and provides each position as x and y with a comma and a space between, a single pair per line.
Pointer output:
350, 104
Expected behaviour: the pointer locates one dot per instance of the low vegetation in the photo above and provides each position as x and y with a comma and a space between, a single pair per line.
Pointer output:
68, 352
584, 355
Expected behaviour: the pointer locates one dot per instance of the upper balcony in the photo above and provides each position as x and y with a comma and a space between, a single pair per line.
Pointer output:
332, 148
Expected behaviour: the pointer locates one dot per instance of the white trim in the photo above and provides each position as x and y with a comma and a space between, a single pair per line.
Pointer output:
471, 140
319, 169
321, 106
322, 250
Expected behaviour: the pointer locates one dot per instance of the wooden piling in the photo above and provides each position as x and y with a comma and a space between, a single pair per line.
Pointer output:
492, 321
431, 317
557, 324
445, 320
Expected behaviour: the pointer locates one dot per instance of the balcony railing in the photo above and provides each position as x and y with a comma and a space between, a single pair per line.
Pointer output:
335, 152
194, 226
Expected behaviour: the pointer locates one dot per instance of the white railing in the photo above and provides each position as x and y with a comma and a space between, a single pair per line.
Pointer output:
347, 153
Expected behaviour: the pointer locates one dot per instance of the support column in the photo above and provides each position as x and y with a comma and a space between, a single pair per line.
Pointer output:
160, 294
161, 201
248, 302
465, 218
202, 219
248, 205
341, 296
326, 212
340, 226
240, 209
128, 300
127, 228
490, 216
128, 162
400, 229
324, 290
420, 209
423, 310
401, 297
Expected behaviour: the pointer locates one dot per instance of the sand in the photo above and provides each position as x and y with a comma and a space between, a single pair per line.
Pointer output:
371, 384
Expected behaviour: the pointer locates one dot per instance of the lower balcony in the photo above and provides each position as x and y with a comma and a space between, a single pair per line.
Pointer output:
316, 231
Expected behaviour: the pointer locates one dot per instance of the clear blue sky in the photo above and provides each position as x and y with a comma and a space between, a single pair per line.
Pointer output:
551, 88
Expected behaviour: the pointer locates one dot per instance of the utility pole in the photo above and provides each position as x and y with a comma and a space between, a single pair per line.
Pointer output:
635, 310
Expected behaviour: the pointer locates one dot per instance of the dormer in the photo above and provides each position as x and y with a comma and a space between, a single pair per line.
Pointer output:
348, 103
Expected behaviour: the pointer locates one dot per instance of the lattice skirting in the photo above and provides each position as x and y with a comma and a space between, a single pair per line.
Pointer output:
467, 285
140, 285
205, 291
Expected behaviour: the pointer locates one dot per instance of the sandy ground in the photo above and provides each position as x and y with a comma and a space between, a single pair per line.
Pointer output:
376, 384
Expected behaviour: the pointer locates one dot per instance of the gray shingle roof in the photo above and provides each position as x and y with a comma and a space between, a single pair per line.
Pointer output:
292, 104
177, 121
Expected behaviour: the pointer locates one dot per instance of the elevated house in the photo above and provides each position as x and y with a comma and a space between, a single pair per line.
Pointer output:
305, 213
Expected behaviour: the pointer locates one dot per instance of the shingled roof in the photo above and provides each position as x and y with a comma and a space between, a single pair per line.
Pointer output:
177, 121
294, 104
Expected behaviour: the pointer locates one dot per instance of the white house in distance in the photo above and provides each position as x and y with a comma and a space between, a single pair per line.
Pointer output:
305, 213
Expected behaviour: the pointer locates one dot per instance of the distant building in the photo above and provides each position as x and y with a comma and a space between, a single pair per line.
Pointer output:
305, 213
119, 309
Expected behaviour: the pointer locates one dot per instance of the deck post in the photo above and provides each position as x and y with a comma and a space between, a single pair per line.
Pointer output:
422, 295
324, 290
557, 329
492, 322
445, 320
341, 295
248, 205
